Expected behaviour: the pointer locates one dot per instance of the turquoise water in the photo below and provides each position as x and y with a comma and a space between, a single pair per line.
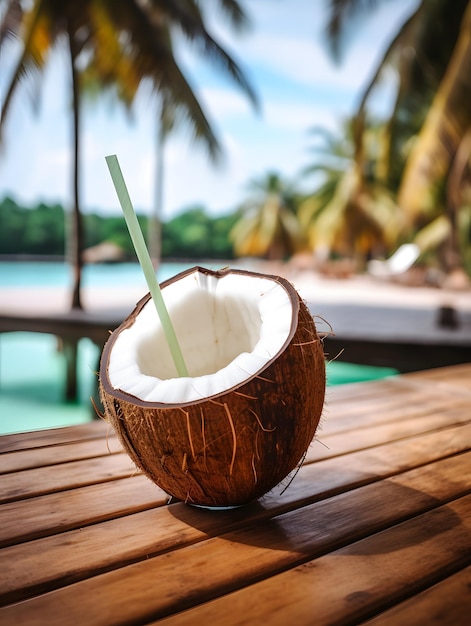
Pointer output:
30, 274
32, 383
32, 370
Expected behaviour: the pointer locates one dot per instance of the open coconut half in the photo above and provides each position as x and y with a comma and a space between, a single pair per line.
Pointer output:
245, 416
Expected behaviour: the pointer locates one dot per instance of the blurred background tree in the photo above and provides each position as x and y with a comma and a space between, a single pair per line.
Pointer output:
426, 132
267, 226
39, 231
120, 45
148, 63
377, 182
351, 213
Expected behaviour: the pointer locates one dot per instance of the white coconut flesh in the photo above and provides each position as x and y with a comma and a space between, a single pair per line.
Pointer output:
229, 328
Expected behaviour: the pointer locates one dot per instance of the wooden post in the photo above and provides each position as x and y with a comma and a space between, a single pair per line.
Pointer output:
70, 348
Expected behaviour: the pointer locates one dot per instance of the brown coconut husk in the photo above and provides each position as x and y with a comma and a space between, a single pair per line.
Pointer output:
233, 448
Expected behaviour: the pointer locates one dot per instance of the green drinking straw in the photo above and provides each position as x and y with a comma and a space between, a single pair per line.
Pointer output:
146, 264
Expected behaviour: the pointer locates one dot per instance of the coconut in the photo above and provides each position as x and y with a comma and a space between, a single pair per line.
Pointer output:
244, 417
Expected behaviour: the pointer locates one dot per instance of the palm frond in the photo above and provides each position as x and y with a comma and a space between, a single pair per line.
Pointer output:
187, 16
37, 39
235, 13
447, 122
11, 21
340, 13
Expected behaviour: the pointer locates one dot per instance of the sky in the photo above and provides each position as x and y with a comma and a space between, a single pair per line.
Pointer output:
287, 60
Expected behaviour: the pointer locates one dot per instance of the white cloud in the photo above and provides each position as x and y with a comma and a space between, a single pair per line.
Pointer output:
293, 43
296, 58
222, 103
297, 116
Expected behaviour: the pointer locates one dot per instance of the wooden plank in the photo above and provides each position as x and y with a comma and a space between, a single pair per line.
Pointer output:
453, 377
59, 453
43, 480
389, 399
70, 325
42, 456
375, 410
48, 437
385, 458
419, 552
385, 388
437, 381
56, 561
384, 391
353, 583
76, 508
448, 603
363, 390
344, 442
339, 473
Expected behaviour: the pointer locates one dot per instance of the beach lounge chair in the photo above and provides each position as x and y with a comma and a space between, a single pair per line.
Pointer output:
402, 260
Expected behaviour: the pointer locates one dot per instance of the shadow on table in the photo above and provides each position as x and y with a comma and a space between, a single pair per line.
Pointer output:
330, 523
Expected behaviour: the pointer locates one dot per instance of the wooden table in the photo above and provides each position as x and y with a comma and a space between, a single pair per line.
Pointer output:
376, 525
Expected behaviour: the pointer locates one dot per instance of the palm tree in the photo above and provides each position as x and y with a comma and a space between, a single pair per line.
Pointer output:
441, 141
350, 213
126, 43
267, 226
41, 27
149, 59
431, 54
154, 232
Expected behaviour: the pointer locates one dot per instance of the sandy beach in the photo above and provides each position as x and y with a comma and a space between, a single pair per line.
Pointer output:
315, 288
359, 306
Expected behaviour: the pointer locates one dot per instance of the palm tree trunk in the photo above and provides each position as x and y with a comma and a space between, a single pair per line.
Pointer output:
454, 201
75, 232
155, 222
445, 124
